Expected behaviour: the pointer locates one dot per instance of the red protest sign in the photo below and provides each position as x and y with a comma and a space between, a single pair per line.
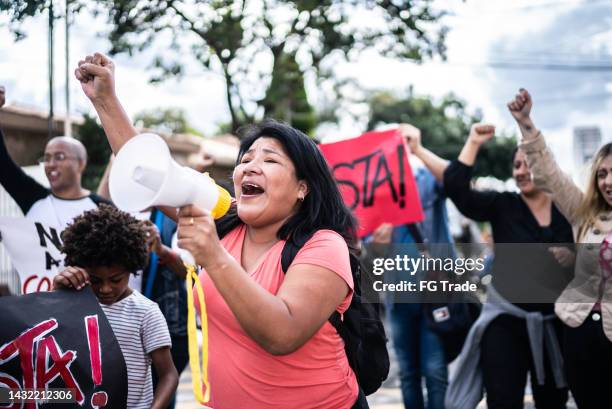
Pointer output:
375, 179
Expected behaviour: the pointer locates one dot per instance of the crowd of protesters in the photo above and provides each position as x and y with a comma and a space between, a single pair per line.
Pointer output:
272, 344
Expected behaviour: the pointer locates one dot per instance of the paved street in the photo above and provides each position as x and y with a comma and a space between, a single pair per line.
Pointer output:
387, 397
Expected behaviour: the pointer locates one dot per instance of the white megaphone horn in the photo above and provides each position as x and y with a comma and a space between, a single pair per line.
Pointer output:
145, 175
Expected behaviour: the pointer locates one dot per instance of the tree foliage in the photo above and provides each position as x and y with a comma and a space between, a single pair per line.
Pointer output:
93, 137
244, 40
444, 128
286, 99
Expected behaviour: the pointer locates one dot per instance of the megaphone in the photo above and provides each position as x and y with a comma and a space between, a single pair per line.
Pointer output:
145, 175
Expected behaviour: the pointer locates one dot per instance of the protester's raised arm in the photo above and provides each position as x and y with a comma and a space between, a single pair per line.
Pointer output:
520, 108
479, 134
103, 189
547, 174
475, 204
20, 186
434, 163
97, 77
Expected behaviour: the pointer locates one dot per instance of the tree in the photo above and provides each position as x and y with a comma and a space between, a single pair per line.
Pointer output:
286, 99
444, 127
93, 137
170, 120
244, 39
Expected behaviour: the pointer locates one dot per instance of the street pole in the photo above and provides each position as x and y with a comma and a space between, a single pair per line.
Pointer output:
67, 120
50, 119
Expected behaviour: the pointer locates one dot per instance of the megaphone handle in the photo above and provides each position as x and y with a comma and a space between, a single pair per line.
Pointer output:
199, 373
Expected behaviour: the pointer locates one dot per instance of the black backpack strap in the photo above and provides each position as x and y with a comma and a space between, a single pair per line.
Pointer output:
290, 250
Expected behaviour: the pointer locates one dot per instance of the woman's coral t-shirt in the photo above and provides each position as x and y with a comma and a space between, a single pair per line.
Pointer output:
243, 375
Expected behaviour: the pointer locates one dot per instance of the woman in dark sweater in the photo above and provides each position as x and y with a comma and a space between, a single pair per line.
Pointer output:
528, 273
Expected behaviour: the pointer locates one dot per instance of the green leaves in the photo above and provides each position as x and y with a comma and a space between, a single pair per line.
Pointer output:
93, 137
237, 38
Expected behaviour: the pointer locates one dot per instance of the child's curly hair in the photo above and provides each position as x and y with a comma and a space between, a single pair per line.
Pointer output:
105, 237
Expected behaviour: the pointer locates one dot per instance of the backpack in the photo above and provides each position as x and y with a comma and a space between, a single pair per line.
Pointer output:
361, 328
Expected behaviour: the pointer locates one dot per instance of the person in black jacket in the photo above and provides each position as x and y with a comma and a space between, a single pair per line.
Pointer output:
64, 162
528, 218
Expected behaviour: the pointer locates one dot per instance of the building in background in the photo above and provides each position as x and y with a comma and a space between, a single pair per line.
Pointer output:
587, 140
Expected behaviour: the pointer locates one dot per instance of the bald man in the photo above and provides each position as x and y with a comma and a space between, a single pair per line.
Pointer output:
64, 162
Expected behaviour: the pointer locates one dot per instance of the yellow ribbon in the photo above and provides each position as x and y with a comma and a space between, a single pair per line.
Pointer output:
198, 374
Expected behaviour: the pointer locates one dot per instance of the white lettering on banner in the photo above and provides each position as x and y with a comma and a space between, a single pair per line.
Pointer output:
34, 250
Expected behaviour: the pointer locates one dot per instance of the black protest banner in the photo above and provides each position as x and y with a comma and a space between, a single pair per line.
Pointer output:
61, 339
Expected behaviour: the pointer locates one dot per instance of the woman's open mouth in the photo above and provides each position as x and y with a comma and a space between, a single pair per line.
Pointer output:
251, 190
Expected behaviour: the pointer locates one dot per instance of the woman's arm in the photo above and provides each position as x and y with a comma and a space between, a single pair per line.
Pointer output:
520, 108
279, 323
434, 163
167, 377
103, 189
477, 205
97, 77
479, 135
547, 175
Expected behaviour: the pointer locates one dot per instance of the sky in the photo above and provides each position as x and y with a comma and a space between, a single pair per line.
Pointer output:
484, 34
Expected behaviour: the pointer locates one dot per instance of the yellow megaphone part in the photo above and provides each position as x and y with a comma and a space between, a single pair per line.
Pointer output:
199, 374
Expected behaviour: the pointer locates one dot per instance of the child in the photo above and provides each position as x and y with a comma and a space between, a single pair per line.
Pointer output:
102, 248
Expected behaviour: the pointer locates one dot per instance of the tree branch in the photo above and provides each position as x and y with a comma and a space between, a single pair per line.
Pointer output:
228, 96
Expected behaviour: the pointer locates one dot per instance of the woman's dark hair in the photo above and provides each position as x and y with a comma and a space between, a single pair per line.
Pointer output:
323, 207
105, 237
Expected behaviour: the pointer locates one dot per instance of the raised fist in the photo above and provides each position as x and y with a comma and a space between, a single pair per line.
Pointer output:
520, 106
481, 133
412, 135
97, 77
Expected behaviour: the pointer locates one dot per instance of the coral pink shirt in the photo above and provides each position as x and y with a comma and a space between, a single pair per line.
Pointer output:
243, 375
